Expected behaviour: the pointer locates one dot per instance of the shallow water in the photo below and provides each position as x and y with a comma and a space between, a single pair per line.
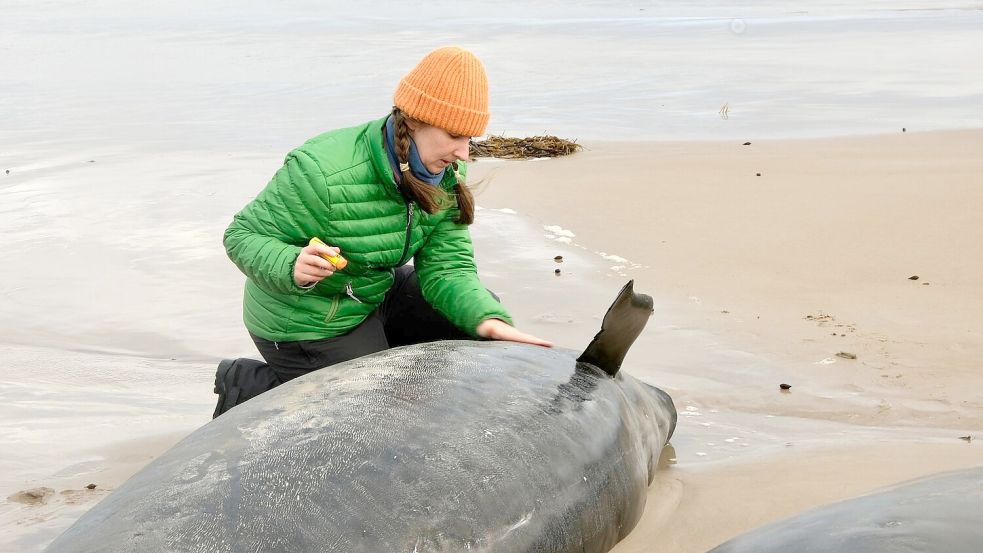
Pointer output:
267, 75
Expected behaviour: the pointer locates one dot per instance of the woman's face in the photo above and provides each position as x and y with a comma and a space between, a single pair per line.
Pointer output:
437, 147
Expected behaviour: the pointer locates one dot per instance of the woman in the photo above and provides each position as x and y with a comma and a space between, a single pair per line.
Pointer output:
379, 194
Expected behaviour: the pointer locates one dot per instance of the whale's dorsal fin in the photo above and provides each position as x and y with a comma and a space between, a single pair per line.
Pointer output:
622, 323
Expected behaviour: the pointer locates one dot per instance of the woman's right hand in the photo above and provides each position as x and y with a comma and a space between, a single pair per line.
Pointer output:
497, 329
310, 267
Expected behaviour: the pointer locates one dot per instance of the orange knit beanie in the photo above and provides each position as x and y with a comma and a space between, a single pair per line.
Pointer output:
447, 89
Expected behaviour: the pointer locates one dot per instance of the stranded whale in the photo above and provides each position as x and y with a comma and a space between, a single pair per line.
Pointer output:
940, 513
445, 446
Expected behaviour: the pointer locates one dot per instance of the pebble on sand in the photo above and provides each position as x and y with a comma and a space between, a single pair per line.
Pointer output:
758, 174
558, 259
846, 355
556, 272
785, 386
90, 487
913, 277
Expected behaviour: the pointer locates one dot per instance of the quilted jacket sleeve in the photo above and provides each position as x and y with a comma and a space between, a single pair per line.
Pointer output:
265, 238
449, 279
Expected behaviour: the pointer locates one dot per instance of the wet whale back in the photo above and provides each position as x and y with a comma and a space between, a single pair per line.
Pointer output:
942, 513
448, 446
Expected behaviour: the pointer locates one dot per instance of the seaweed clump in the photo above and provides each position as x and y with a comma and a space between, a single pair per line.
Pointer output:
523, 148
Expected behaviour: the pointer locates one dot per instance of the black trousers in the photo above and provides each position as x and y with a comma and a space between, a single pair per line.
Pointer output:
403, 318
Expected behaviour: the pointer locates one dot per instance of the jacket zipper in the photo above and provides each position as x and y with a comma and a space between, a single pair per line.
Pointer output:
351, 293
409, 226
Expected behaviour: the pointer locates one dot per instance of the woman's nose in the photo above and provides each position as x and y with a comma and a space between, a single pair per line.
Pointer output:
461, 149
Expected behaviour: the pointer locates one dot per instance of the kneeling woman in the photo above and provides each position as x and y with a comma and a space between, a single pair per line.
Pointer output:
379, 194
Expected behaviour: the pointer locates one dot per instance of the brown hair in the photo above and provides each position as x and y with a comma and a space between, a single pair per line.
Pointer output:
431, 198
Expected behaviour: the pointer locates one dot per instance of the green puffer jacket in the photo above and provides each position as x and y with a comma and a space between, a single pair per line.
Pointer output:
340, 187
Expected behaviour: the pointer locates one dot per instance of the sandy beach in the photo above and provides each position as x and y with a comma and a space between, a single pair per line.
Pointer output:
758, 281
130, 139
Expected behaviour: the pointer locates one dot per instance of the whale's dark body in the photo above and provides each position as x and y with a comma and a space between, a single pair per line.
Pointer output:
447, 446
941, 514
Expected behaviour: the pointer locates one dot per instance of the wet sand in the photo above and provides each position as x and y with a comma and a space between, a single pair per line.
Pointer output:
757, 281
812, 258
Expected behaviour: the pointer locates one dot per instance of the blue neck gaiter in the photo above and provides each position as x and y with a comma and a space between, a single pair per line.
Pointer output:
417, 167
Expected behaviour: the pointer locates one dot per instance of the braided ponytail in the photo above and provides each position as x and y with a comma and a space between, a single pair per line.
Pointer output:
465, 200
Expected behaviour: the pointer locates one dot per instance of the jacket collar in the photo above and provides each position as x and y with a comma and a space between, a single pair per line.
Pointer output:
377, 151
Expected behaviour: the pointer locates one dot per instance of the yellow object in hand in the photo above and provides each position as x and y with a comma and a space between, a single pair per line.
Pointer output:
336, 260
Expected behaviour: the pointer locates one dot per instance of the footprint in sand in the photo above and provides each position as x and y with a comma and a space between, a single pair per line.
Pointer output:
33, 496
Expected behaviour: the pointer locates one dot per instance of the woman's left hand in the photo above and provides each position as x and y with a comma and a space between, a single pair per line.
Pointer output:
497, 329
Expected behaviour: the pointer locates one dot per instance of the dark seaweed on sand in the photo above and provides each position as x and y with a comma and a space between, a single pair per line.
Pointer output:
523, 148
